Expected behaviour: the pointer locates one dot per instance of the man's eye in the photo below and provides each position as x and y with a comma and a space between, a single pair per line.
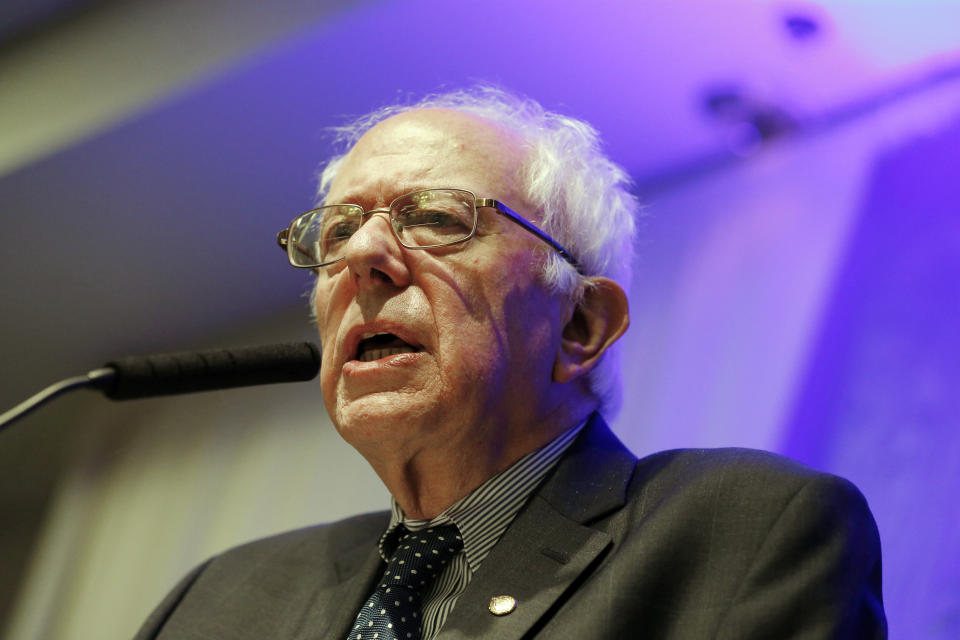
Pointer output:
338, 232
343, 230
429, 218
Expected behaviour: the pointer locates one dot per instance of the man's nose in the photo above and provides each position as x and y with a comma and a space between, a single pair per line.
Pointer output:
374, 255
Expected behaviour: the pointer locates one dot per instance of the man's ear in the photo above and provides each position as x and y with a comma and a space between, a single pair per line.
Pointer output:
595, 324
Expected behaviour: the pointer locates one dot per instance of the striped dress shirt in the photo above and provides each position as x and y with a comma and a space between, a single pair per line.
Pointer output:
482, 516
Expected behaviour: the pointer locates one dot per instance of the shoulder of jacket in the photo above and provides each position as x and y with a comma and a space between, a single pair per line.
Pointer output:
730, 475
327, 540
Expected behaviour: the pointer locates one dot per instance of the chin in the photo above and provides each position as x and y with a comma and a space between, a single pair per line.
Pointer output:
383, 417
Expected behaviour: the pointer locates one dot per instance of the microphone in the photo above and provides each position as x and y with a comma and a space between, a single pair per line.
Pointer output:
190, 371
186, 372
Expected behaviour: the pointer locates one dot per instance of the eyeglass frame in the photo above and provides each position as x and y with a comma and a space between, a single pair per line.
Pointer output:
478, 203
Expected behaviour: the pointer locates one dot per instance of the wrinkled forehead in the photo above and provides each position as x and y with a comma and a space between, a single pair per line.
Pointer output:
431, 148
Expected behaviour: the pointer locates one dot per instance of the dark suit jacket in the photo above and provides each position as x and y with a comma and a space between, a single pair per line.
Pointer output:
728, 543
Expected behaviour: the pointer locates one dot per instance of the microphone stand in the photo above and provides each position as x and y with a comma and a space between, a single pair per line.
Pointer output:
98, 379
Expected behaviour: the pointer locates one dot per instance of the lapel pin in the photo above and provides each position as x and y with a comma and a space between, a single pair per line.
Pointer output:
502, 605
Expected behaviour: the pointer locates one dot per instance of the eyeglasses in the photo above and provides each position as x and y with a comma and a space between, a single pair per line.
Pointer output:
425, 219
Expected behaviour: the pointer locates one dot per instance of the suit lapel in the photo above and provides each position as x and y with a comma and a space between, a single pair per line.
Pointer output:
332, 612
550, 543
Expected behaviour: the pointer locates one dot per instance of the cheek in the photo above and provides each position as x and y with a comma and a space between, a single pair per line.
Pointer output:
328, 322
487, 330
465, 328
326, 310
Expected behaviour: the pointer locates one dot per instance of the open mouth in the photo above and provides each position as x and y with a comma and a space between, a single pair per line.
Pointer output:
374, 346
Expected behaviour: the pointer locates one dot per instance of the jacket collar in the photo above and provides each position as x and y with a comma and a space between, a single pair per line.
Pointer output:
551, 542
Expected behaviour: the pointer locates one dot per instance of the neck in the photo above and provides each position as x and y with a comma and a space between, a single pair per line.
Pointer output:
427, 480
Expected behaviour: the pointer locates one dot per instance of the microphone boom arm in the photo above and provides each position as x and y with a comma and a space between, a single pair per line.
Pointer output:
96, 378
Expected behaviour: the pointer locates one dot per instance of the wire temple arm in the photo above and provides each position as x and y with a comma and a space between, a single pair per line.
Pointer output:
516, 218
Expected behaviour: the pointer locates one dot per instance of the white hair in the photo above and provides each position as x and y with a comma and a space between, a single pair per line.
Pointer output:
582, 197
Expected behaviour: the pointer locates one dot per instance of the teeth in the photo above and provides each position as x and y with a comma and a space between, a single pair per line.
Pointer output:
376, 354
367, 336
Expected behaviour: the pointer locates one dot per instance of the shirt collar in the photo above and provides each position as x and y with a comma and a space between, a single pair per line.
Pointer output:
484, 514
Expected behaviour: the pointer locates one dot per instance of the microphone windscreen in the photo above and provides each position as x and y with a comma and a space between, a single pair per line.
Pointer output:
189, 371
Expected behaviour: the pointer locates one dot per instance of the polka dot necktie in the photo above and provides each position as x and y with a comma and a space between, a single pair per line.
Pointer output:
393, 611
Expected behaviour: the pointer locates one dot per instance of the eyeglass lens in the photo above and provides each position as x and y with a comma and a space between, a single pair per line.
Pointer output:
429, 218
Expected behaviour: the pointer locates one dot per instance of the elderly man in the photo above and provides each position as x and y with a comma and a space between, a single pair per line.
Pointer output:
471, 257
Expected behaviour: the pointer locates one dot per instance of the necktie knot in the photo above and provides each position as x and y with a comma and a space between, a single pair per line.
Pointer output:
393, 610
420, 556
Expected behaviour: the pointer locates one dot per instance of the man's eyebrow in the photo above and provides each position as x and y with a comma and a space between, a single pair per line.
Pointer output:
384, 194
